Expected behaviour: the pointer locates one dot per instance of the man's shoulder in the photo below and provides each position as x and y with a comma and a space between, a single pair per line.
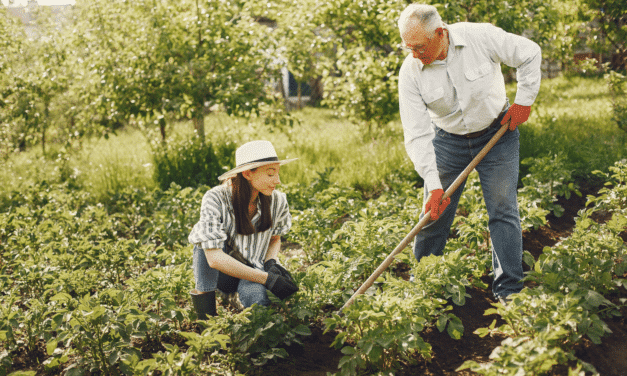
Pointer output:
410, 64
470, 30
470, 26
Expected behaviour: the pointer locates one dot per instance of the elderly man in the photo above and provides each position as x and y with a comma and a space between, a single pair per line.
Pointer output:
452, 101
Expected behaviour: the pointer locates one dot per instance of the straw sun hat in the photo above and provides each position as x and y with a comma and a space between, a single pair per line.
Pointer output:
254, 154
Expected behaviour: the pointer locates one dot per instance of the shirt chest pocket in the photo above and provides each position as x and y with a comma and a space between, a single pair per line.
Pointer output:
479, 78
434, 98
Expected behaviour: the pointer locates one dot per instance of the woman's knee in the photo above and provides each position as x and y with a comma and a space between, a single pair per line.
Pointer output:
251, 293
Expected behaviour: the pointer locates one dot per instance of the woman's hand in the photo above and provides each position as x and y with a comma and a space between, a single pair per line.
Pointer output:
280, 286
272, 266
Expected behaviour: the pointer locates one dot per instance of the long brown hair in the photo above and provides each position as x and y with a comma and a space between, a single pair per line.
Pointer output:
241, 198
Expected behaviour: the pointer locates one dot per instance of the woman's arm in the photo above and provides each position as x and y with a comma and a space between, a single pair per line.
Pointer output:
219, 260
273, 247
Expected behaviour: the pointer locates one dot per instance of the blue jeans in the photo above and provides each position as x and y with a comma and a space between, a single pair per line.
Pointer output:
209, 279
498, 172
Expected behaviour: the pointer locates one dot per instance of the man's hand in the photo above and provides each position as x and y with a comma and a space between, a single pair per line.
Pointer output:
516, 115
435, 203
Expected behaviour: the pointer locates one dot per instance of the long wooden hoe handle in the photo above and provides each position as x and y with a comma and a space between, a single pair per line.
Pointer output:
427, 217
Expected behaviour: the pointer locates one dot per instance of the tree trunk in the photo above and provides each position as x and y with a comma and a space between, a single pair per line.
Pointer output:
162, 129
199, 123
45, 126
300, 103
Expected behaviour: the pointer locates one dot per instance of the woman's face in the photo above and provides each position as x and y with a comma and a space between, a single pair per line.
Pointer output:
264, 179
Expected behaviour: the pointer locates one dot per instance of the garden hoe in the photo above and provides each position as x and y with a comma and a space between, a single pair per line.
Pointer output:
427, 217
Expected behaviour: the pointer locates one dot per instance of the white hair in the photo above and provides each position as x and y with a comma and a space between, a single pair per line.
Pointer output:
426, 15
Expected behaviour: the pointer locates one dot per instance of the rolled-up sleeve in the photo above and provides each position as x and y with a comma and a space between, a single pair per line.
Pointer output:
209, 231
282, 219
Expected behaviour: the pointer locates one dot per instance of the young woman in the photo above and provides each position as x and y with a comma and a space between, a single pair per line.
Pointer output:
238, 237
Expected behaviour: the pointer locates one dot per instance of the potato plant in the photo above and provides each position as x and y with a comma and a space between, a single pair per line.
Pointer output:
87, 282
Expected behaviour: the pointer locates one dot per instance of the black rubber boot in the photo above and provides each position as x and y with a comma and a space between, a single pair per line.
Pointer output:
204, 304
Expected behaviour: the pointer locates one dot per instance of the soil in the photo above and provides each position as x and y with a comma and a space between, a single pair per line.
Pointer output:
316, 358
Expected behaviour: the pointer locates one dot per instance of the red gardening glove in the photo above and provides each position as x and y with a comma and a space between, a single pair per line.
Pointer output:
435, 203
516, 115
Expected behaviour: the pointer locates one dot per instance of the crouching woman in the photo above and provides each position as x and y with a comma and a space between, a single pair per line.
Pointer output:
238, 237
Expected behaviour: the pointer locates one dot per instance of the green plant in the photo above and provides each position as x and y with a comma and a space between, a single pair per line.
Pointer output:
618, 91
98, 333
188, 163
381, 330
258, 334
549, 177
527, 356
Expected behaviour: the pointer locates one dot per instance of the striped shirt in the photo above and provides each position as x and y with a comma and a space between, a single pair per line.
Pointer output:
217, 224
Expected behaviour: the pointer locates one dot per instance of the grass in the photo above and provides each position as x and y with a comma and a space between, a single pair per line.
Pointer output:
322, 141
106, 166
572, 115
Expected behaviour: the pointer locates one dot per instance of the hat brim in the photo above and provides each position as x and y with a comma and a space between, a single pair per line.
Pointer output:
250, 166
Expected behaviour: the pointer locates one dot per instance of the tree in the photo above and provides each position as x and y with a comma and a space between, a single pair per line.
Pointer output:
361, 76
606, 29
181, 58
362, 72
11, 39
36, 77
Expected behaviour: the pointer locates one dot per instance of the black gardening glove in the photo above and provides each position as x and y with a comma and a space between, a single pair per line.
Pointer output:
280, 286
271, 266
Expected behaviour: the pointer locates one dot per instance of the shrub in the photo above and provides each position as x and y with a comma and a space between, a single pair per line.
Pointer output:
618, 92
190, 163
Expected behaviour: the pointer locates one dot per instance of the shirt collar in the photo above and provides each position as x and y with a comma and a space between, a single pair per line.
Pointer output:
456, 39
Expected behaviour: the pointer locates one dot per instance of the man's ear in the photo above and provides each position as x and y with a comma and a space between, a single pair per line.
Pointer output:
439, 31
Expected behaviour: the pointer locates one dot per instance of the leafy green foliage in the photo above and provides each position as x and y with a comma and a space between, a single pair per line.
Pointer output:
190, 163
546, 322
606, 29
618, 90
90, 282
549, 177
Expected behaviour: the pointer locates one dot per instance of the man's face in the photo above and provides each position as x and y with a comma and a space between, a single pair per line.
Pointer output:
423, 46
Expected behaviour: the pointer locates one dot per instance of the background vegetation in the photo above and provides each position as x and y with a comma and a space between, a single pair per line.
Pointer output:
114, 125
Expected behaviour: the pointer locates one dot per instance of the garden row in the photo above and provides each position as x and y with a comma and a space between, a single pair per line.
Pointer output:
92, 287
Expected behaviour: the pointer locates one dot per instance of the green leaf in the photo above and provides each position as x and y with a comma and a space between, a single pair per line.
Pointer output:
51, 346
441, 323
375, 354
348, 350
596, 299
528, 258
455, 327
482, 332
74, 371
302, 330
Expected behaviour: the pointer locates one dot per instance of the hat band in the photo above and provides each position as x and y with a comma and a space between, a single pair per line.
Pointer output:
269, 159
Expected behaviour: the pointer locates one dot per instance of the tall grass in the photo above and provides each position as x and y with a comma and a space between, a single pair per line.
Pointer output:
572, 116
322, 140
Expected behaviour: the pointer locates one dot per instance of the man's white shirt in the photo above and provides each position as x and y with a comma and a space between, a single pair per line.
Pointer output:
465, 92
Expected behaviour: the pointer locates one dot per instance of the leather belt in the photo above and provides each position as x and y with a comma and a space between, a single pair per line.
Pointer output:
495, 124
